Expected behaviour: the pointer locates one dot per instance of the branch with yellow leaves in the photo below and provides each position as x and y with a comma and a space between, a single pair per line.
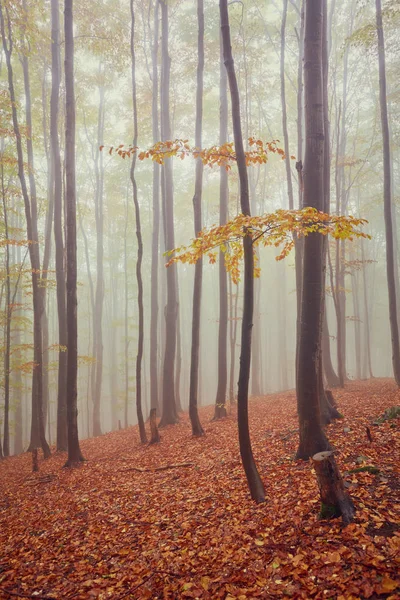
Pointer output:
276, 229
219, 156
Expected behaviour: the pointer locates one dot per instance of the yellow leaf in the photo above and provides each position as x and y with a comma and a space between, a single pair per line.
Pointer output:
205, 582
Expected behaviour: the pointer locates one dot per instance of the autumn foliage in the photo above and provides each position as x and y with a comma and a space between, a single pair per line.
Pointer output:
278, 229
119, 528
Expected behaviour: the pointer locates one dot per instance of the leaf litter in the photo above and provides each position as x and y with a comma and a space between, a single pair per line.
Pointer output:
175, 520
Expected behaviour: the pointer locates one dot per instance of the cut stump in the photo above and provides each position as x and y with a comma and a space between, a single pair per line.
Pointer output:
335, 501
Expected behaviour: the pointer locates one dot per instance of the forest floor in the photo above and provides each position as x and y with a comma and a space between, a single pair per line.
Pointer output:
112, 530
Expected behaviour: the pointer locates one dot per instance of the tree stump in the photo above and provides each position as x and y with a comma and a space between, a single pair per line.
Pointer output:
335, 501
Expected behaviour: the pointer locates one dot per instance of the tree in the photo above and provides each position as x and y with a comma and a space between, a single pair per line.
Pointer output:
387, 198
169, 410
97, 372
154, 401
220, 400
255, 484
74, 452
62, 442
197, 429
139, 357
37, 429
312, 436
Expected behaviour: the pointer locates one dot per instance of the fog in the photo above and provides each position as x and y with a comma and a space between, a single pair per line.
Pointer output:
355, 274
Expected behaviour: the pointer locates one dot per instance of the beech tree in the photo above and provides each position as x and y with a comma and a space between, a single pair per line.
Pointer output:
139, 357
37, 428
74, 452
220, 399
254, 481
312, 436
197, 429
62, 443
169, 408
387, 199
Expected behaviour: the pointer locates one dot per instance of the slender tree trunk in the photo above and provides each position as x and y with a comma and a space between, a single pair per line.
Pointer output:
8, 318
58, 227
126, 319
46, 256
233, 337
197, 429
99, 294
169, 414
17, 377
330, 374
366, 314
220, 400
178, 362
328, 410
312, 437
155, 242
139, 357
387, 198
74, 452
255, 484
37, 429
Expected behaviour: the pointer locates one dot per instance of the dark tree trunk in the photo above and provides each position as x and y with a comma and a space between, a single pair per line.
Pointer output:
154, 403
169, 412
74, 452
255, 484
62, 442
220, 400
197, 429
37, 429
387, 198
139, 357
312, 437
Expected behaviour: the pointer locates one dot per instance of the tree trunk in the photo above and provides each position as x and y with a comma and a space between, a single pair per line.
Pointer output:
99, 294
387, 198
366, 314
328, 411
74, 452
8, 318
37, 429
197, 429
139, 357
154, 403
58, 228
312, 437
169, 414
220, 400
255, 484
330, 374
